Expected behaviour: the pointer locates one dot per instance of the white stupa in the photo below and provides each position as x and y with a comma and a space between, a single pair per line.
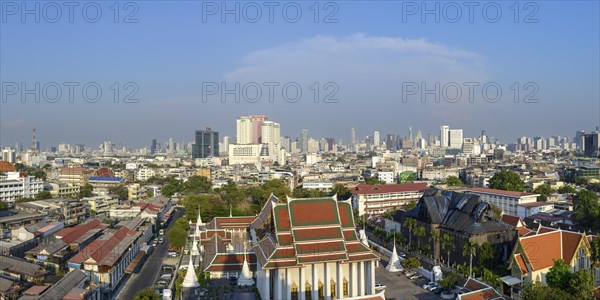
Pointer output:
394, 264
190, 280
198, 224
363, 236
245, 276
195, 247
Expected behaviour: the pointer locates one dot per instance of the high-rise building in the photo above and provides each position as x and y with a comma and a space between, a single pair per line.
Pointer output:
376, 139
8, 154
352, 137
249, 129
483, 137
455, 138
410, 136
225, 144
206, 144
390, 142
303, 140
591, 145
153, 147
171, 146
444, 136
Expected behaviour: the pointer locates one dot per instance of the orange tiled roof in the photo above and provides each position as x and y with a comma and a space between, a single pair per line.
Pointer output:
542, 248
7, 167
521, 262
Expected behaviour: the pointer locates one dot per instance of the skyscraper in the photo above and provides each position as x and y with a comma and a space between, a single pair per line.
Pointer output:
455, 138
249, 129
206, 144
171, 146
376, 139
304, 140
352, 137
410, 136
153, 147
444, 136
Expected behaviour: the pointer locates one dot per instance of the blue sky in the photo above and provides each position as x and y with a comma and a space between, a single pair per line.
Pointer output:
367, 55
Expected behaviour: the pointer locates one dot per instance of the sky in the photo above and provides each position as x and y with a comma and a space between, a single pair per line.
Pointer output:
167, 68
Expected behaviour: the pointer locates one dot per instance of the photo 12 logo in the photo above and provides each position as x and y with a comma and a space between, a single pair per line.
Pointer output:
269, 11
68, 11
71, 91
469, 11
454, 92
254, 92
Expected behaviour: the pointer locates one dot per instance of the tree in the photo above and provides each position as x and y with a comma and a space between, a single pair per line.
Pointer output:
411, 263
3, 206
308, 193
86, 191
538, 291
373, 180
147, 294
448, 281
197, 185
209, 205
582, 284
448, 245
410, 224
508, 181
43, 195
420, 233
544, 190
170, 187
178, 233
559, 275
434, 237
410, 205
587, 209
567, 189
454, 181
470, 249
486, 254
231, 194
341, 190
120, 191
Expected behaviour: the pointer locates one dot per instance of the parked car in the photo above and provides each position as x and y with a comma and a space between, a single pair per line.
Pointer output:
415, 276
438, 290
168, 268
379, 286
402, 254
166, 276
430, 286
173, 254
161, 282
161, 240
410, 273
233, 280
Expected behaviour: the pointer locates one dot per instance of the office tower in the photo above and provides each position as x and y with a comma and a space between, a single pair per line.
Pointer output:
108, 147
352, 139
153, 147
206, 144
303, 142
9, 155
444, 136
579, 139
171, 146
410, 136
286, 143
419, 135
484, 139
430, 139
225, 148
390, 142
249, 129
271, 137
591, 145
376, 139
455, 138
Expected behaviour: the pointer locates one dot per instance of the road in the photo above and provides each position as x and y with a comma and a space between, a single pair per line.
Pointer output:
151, 267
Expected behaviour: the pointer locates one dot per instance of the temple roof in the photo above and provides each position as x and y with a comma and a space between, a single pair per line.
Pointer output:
307, 231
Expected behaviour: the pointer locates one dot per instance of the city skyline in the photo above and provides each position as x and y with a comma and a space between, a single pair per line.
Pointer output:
359, 68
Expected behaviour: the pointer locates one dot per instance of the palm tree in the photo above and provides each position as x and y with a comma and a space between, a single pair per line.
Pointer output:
420, 233
470, 249
410, 223
448, 245
434, 238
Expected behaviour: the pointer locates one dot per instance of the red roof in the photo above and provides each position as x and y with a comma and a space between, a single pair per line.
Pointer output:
368, 189
500, 192
101, 248
69, 235
511, 220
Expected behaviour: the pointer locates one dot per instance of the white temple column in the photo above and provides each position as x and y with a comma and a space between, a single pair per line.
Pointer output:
353, 280
315, 282
361, 278
287, 289
301, 283
277, 288
326, 282
339, 281
267, 285
372, 281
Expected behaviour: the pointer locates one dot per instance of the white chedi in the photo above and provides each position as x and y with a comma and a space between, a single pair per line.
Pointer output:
245, 278
394, 264
190, 280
